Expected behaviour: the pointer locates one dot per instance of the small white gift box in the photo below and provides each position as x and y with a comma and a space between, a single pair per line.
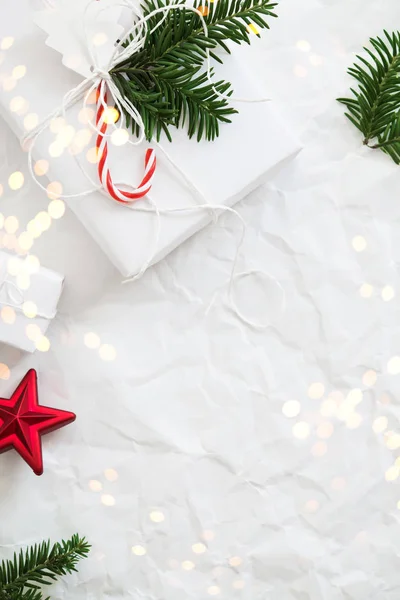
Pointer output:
25, 314
223, 172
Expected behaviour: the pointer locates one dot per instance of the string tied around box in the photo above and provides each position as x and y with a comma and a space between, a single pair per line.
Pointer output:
100, 82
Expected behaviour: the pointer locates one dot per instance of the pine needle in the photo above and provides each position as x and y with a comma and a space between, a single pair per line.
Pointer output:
22, 577
374, 107
166, 81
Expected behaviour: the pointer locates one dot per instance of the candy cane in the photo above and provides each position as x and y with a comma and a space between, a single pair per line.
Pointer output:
102, 153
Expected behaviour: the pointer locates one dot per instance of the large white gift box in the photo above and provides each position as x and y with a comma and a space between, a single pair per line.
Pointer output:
26, 313
223, 172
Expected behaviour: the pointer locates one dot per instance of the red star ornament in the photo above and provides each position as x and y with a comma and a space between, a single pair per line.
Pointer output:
23, 421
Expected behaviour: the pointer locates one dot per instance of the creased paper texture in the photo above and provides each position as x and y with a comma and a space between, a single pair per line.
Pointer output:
210, 460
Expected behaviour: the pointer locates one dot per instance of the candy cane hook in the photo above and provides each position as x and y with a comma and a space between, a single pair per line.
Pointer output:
150, 162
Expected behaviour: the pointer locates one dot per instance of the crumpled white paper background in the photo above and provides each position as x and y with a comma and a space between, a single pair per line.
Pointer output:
182, 468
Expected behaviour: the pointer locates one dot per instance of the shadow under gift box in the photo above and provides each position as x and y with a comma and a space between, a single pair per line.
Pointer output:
245, 155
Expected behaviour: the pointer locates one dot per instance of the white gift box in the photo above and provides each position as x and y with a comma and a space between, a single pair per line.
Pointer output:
26, 314
223, 171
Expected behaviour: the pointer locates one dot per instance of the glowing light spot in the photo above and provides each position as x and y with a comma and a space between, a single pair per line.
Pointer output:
42, 344
92, 155
6, 42
43, 220
110, 115
11, 224
33, 332
92, 98
235, 561
393, 442
252, 28
388, 293
366, 290
303, 45
25, 241
316, 390
157, 516
328, 408
4, 372
14, 266
213, 590
65, 136
56, 149
325, 430
354, 420
301, 430
300, 71
19, 105
359, 243
19, 72
188, 565
107, 352
100, 39
16, 180
398, 505
57, 124
291, 408
95, 486
8, 315
338, 484
32, 263
108, 500
31, 121
238, 584
199, 548
138, 550
82, 138
119, 137
56, 209
380, 424
316, 60
208, 535
393, 366
111, 474
369, 378
319, 449
1, 193
86, 115
41, 167
311, 506
355, 396
34, 229
9, 84
29, 309
54, 189
91, 340
392, 473
203, 10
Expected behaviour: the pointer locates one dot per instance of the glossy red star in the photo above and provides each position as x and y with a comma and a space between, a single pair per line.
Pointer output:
23, 422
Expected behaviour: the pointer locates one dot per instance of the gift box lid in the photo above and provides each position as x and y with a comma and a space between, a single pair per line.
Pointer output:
222, 172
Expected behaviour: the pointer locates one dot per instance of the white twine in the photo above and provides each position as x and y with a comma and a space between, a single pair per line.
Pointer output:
101, 76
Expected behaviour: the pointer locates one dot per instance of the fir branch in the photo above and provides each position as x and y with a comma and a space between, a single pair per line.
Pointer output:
375, 106
164, 80
22, 577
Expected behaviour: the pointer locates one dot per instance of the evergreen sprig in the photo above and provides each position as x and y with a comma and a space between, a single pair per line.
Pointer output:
22, 577
166, 81
375, 106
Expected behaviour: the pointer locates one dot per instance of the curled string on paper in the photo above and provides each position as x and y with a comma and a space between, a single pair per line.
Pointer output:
101, 82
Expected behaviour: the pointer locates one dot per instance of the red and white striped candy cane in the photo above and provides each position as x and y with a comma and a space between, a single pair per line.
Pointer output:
102, 153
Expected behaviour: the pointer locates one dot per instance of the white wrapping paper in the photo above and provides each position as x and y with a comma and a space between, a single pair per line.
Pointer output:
223, 171
26, 314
